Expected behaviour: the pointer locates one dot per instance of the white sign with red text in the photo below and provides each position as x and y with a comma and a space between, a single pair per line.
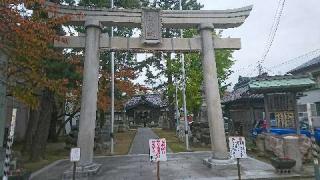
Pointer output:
237, 145
158, 150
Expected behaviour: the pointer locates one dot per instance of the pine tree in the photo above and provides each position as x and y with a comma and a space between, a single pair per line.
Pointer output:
169, 69
166, 67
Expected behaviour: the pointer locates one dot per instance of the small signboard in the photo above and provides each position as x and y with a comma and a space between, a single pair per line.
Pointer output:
158, 150
75, 155
237, 145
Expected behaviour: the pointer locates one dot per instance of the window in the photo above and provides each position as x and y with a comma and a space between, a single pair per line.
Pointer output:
313, 110
317, 108
302, 108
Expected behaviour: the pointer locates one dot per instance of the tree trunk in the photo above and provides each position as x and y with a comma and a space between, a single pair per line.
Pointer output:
42, 133
170, 95
31, 129
102, 118
38, 127
53, 137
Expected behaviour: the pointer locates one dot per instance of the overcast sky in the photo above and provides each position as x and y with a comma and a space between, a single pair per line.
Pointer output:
298, 33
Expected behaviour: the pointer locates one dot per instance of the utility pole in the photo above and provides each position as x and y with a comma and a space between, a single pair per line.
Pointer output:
112, 93
184, 90
315, 147
177, 106
3, 63
260, 68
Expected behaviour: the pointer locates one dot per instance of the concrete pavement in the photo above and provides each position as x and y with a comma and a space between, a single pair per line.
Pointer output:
140, 144
187, 166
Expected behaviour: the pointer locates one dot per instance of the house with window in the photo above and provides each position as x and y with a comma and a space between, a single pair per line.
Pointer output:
311, 69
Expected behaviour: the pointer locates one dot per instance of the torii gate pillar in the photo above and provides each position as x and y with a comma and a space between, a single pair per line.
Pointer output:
89, 93
151, 22
216, 124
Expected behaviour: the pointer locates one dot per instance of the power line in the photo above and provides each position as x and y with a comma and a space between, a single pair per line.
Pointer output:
304, 56
274, 28
250, 73
307, 56
274, 20
243, 68
273, 31
269, 70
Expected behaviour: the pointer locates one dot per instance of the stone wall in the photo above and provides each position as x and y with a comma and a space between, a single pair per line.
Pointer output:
200, 133
181, 131
102, 134
277, 146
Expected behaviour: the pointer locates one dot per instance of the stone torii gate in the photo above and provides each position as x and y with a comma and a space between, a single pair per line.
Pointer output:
151, 21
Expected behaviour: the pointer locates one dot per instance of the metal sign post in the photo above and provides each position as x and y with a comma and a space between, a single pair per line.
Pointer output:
74, 171
158, 170
237, 145
238, 167
158, 152
74, 157
112, 93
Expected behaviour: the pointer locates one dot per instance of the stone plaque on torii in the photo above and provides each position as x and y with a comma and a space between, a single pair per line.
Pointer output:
151, 21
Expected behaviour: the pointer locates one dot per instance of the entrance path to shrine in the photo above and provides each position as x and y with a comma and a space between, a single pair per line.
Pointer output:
140, 144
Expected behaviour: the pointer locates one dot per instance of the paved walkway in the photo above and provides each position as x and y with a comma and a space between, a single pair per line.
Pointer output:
140, 144
180, 166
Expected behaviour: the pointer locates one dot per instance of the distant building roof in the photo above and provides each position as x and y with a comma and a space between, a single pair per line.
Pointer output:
254, 87
241, 91
152, 100
315, 62
285, 83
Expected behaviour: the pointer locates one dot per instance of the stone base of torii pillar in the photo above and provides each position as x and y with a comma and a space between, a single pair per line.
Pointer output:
82, 171
220, 163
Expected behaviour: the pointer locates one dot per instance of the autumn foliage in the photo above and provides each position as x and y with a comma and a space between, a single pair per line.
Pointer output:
121, 86
26, 36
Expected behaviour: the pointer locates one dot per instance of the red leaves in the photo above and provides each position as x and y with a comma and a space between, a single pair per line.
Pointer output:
123, 84
28, 42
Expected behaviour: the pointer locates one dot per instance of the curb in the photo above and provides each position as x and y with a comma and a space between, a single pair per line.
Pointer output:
45, 168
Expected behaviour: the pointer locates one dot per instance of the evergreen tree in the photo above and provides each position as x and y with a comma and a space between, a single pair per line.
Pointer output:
166, 67
169, 68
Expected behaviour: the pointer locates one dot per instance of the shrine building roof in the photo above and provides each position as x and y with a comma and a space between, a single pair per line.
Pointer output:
253, 88
152, 100
240, 94
286, 83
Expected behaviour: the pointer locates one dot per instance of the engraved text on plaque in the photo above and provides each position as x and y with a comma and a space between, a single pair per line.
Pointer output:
151, 26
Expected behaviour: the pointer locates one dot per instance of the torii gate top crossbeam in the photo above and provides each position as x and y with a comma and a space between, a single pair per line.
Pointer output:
220, 19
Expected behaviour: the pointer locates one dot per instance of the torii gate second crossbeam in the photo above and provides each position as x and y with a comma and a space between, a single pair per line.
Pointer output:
151, 21
135, 45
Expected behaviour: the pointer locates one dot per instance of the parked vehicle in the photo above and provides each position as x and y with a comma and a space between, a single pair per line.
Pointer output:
260, 127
